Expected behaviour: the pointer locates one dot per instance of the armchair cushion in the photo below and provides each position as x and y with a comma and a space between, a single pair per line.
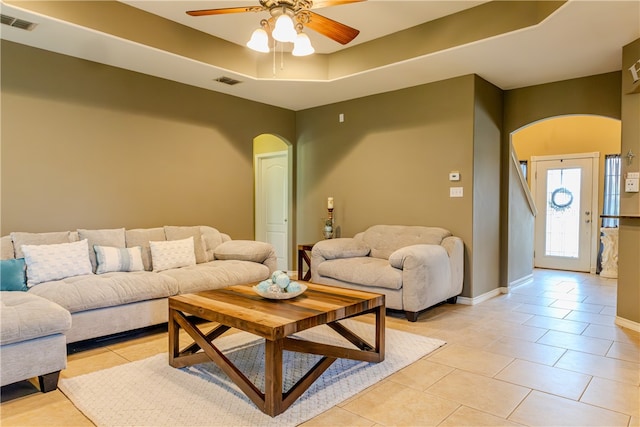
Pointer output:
386, 239
365, 270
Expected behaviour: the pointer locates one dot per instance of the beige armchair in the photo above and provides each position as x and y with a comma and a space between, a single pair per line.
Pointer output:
415, 267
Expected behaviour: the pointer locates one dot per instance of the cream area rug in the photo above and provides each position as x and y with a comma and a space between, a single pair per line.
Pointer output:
149, 392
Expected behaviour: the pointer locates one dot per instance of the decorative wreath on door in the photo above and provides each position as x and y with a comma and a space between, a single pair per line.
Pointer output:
561, 199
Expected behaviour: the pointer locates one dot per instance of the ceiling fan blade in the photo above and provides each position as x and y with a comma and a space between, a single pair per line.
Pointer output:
326, 3
341, 33
225, 11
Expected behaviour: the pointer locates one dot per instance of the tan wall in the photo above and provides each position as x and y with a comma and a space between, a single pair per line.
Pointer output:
87, 145
629, 244
389, 162
570, 135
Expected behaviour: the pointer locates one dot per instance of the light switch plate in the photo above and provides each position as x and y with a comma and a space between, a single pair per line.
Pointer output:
455, 192
635, 175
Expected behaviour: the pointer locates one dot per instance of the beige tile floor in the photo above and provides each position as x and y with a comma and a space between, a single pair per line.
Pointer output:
547, 354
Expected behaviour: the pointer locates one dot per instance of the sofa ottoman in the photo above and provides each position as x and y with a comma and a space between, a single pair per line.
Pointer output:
32, 341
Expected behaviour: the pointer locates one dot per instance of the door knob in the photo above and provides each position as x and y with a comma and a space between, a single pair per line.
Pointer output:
587, 213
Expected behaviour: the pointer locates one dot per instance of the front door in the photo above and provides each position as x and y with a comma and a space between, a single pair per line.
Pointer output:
271, 203
564, 192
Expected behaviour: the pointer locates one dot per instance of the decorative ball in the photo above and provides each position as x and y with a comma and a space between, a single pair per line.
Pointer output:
283, 281
275, 289
275, 275
264, 285
294, 287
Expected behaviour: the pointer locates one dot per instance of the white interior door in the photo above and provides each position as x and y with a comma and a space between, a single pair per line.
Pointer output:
564, 190
272, 204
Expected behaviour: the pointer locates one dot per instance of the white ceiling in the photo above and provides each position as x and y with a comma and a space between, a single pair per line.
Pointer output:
581, 38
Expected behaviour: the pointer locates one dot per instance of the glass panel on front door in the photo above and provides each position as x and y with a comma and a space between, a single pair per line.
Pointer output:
563, 212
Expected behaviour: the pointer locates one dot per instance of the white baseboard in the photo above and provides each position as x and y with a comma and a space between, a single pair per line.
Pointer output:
479, 298
517, 283
621, 321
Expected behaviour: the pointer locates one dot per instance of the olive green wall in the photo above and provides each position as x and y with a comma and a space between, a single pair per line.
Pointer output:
389, 163
90, 146
629, 239
486, 187
597, 95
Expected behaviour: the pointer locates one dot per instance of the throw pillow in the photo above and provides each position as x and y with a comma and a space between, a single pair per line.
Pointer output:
54, 262
118, 259
22, 238
172, 254
13, 275
110, 237
180, 232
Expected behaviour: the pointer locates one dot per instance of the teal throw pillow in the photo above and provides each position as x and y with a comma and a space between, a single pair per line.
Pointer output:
12, 275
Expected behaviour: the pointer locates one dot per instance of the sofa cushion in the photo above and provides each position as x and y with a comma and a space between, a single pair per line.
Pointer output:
217, 274
13, 275
118, 259
6, 248
172, 254
212, 238
141, 237
106, 290
386, 239
112, 237
173, 232
22, 238
57, 261
243, 250
367, 271
24, 316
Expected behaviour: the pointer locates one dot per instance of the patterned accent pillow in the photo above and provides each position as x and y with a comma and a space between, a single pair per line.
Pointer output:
172, 254
54, 262
118, 259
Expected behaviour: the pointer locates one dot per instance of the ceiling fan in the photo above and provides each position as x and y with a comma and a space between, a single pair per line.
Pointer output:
288, 18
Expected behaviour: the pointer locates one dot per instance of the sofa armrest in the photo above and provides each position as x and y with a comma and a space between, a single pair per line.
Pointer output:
248, 250
455, 248
426, 275
343, 247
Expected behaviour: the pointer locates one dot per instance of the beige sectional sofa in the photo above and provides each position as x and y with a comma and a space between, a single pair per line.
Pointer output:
129, 289
415, 267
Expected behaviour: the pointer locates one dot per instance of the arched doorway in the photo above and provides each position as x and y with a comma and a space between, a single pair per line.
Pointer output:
561, 146
273, 195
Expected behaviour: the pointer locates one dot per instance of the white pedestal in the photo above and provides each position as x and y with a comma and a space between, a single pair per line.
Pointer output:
609, 240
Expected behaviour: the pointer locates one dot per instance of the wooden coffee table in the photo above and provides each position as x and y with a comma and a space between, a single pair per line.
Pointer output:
274, 320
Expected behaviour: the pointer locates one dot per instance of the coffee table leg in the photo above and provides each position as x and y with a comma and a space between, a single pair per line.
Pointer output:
174, 337
273, 377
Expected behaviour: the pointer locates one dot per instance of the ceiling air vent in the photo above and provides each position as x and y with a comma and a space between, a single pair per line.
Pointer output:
228, 80
17, 23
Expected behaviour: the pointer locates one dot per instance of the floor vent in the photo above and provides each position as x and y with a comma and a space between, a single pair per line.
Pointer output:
228, 80
17, 23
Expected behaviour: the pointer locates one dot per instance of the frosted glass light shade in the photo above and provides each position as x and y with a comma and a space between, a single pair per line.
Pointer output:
284, 30
302, 46
259, 41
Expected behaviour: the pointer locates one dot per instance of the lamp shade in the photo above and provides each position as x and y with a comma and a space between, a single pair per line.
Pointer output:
259, 41
302, 45
284, 30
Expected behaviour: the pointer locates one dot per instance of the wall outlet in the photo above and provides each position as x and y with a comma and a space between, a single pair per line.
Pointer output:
455, 192
631, 185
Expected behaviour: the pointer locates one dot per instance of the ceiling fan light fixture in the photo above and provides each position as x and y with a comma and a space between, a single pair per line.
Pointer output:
259, 41
302, 45
284, 30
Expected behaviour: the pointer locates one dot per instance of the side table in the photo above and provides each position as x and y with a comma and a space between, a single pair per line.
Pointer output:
304, 258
